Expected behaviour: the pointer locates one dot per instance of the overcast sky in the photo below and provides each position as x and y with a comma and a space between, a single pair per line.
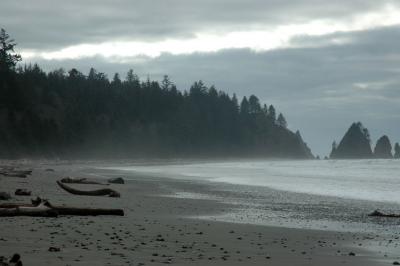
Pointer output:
324, 64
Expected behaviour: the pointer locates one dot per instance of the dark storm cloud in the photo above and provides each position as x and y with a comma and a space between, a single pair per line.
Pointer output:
321, 90
50, 24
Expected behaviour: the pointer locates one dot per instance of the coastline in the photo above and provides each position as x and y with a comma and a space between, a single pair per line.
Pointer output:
157, 230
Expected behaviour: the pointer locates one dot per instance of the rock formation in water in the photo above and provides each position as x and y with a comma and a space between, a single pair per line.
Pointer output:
397, 151
383, 148
354, 145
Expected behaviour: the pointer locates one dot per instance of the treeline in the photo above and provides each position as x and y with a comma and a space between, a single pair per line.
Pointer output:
71, 114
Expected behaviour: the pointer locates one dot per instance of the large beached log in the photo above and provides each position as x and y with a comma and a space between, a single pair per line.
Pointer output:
8, 209
35, 211
22, 192
87, 211
70, 180
381, 214
97, 192
15, 173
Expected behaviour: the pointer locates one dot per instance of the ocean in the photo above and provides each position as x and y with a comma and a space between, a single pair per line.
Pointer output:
316, 194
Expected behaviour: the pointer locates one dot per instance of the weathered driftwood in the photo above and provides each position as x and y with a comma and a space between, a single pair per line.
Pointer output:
15, 173
97, 192
15, 205
70, 180
40, 210
35, 211
87, 211
377, 213
22, 192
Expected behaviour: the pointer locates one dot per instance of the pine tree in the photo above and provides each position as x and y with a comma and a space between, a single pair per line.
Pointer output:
254, 105
281, 121
244, 106
8, 59
272, 113
116, 80
397, 151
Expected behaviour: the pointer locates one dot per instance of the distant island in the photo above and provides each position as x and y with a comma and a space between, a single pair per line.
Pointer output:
356, 144
69, 114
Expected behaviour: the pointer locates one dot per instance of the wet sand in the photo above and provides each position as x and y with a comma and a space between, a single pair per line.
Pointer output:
156, 229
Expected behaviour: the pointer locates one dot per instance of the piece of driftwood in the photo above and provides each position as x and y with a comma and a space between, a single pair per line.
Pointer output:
63, 210
70, 180
15, 173
22, 210
87, 211
377, 213
22, 192
97, 192
36, 211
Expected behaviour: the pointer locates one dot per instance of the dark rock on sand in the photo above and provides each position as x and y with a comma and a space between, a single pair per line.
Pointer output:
117, 180
4, 196
54, 249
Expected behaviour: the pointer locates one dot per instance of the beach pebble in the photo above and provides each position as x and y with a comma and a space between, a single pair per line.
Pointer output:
54, 249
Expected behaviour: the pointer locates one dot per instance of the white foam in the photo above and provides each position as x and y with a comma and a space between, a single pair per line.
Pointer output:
375, 180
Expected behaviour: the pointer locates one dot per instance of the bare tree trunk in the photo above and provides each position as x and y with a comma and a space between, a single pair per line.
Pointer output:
97, 192
45, 209
381, 214
37, 211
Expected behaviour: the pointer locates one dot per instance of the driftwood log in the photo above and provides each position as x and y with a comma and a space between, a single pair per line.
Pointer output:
70, 180
34, 211
46, 209
22, 192
381, 214
15, 173
97, 192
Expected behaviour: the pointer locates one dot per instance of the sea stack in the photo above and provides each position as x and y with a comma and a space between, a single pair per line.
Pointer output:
383, 148
355, 144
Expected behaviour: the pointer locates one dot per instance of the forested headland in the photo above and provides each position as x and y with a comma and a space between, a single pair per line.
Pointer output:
70, 114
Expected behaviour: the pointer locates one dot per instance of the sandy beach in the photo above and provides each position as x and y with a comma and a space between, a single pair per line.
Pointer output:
159, 228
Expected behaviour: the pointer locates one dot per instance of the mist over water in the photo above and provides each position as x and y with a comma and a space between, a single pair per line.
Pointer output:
372, 180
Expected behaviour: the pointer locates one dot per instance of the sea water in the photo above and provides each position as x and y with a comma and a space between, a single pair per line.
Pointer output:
373, 180
315, 194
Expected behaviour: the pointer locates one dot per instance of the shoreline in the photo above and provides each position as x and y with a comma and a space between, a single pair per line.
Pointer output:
156, 232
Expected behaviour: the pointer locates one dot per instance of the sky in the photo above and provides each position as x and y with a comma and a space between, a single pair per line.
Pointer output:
323, 64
